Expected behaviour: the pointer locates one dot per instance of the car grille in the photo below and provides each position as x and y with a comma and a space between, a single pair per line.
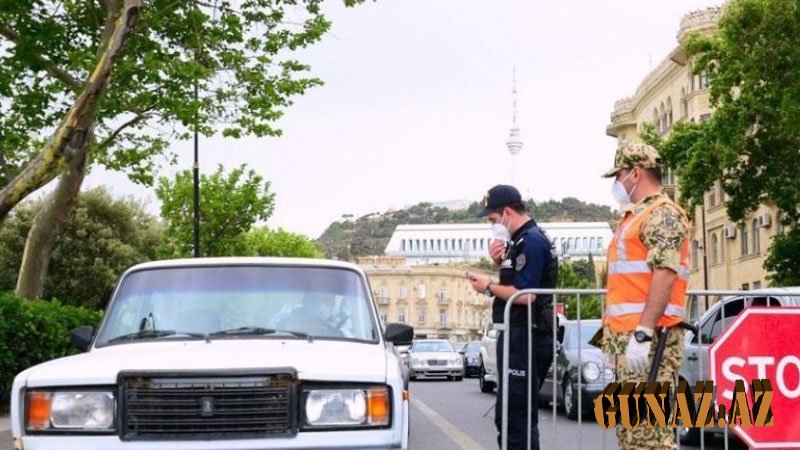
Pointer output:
207, 407
437, 362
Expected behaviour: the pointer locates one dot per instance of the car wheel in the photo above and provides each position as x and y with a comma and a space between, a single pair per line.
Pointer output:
486, 386
570, 399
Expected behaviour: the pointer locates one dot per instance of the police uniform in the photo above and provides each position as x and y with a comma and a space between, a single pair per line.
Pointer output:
658, 230
530, 262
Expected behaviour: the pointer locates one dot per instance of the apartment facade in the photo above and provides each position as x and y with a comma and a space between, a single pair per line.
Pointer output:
729, 255
437, 301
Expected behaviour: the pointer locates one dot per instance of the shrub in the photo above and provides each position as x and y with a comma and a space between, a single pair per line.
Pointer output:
35, 331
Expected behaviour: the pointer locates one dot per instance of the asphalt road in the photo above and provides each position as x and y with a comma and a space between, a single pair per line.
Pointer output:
452, 415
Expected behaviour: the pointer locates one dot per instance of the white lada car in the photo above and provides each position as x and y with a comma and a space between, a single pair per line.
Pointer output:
224, 353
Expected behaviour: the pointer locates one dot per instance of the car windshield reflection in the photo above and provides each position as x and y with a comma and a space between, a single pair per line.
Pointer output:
295, 302
431, 347
587, 329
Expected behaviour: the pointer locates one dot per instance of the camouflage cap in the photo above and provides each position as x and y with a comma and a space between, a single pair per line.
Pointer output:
631, 155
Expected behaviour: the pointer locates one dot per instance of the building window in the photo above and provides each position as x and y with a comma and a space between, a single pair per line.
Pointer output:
756, 284
704, 80
745, 286
384, 292
712, 198
744, 239
600, 243
586, 243
401, 315
421, 316
695, 247
443, 317
756, 237
384, 315
705, 118
421, 291
714, 249
781, 225
402, 292
684, 104
403, 245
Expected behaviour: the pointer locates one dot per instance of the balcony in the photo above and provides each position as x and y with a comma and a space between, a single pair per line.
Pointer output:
442, 298
382, 300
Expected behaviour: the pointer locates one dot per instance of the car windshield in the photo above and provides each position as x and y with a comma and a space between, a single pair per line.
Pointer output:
588, 329
473, 347
425, 347
235, 301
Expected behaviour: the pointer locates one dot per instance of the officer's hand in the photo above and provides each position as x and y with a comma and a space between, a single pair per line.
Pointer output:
496, 250
478, 282
525, 299
636, 355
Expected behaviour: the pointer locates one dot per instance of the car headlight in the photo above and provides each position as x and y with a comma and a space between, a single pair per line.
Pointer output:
471, 359
416, 362
591, 371
608, 373
455, 360
327, 408
69, 410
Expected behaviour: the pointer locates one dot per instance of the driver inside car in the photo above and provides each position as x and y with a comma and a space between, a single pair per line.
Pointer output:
318, 314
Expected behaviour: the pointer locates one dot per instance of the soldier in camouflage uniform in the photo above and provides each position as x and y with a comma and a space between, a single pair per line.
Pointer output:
665, 235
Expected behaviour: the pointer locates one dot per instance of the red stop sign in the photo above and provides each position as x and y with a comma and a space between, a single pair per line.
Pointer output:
762, 343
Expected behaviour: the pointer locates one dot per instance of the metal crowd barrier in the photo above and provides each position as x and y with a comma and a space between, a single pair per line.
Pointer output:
729, 311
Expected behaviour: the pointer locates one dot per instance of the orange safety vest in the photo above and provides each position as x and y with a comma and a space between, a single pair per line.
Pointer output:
629, 276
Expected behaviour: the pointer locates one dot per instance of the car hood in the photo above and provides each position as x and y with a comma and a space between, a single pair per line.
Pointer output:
587, 354
434, 355
317, 360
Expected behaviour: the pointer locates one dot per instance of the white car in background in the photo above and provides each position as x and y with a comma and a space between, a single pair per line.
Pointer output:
224, 353
435, 358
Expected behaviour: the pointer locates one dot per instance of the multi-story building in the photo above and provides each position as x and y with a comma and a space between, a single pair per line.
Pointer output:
452, 243
730, 255
437, 301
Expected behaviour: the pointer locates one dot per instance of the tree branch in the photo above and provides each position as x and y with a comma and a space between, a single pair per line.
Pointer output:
72, 133
143, 115
51, 68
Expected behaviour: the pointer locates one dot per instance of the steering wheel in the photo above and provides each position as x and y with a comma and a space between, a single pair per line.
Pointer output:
302, 320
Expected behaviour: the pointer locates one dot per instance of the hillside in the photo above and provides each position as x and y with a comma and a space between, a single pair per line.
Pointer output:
368, 235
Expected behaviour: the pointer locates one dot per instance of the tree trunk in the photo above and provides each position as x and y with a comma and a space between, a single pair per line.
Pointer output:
73, 132
47, 225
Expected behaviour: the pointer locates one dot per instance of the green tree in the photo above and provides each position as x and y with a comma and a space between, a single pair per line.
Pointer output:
229, 206
266, 242
102, 237
751, 142
570, 277
178, 67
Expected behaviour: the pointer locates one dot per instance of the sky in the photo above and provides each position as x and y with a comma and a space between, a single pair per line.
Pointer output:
417, 100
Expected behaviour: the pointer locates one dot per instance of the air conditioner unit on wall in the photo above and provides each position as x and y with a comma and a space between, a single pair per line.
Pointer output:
764, 220
730, 232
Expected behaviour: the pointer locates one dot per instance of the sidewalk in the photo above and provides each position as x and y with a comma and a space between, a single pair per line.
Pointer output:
5, 423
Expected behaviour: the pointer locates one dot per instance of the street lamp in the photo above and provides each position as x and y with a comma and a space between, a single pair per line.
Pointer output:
196, 174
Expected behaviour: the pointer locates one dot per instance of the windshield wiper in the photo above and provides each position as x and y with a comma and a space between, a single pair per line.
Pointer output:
257, 331
148, 334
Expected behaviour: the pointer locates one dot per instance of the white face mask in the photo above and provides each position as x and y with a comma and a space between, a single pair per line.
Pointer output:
500, 231
619, 192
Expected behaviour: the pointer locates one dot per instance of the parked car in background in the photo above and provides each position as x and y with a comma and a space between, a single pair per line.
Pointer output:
222, 353
579, 368
711, 325
435, 358
471, 355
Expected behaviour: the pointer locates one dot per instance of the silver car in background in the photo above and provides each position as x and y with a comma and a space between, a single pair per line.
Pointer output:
435, 358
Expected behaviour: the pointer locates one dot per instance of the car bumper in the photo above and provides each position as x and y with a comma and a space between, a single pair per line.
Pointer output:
472, 370
344, 440
424, 372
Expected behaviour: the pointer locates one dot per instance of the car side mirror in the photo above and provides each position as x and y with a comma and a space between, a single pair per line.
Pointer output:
81, 337
399, 333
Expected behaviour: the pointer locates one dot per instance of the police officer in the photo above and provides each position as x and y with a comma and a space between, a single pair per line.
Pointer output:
648, 269
526, 259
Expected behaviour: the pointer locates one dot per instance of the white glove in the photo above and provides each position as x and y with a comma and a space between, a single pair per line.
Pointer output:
636, 354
